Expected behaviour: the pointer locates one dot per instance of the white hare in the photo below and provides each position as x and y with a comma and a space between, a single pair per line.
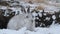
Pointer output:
21, 20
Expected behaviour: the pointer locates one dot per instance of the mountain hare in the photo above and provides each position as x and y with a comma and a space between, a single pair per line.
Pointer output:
21, 20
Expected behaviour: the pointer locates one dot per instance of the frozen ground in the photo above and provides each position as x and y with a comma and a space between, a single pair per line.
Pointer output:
53, 29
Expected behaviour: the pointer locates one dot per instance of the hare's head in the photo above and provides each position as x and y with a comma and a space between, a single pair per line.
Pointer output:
28, 15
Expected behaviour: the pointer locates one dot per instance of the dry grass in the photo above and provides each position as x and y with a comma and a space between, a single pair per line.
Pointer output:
39, 7
4, 3
34, 1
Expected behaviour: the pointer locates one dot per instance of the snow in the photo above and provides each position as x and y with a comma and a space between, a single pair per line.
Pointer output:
51, 9
27, 4
3, 7
54, 17
48, 18
34, 14
45, 14
54, 29
40, 14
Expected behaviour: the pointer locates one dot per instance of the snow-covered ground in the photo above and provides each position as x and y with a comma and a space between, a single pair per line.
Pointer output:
53, 29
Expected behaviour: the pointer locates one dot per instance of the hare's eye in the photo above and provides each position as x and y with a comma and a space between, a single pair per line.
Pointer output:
27, 17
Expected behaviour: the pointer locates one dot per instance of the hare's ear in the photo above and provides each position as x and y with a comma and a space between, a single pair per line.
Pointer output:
23, 9
28, 9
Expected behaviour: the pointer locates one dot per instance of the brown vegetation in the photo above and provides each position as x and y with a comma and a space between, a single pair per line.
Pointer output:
4, 3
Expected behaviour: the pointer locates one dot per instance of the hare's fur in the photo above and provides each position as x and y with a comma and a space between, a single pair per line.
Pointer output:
20, 21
